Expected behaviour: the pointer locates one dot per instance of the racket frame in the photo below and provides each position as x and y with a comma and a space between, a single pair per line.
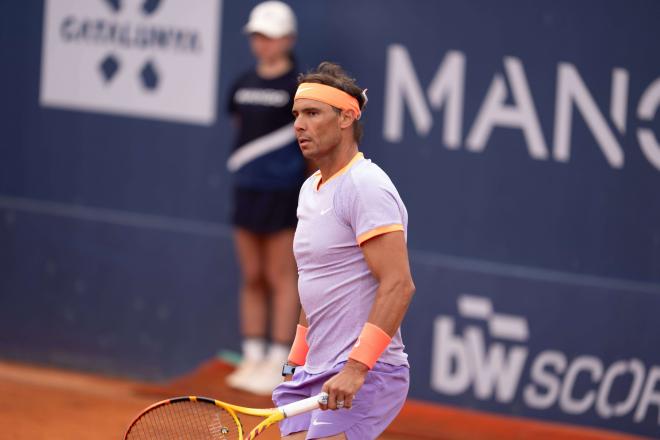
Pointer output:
272, 415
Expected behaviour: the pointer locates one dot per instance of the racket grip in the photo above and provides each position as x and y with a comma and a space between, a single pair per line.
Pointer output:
303, 406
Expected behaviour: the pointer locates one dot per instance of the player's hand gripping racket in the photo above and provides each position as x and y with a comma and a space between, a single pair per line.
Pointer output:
201, 418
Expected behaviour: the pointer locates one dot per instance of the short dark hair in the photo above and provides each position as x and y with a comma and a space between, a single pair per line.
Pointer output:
332, 74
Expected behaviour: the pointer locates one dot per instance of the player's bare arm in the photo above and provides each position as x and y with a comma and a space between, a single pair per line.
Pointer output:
387, 258
302, 320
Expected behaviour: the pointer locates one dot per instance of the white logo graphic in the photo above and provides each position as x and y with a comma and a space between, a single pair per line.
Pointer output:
265, 97
490, 364
146, 58
325, 211
317, 423
447, 92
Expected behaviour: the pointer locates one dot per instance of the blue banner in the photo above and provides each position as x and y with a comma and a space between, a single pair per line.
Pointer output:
524, 138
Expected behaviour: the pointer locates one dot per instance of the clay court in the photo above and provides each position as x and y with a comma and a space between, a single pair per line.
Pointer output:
42, 403
54, 404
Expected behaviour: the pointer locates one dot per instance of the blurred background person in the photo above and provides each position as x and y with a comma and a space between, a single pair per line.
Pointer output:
267, 170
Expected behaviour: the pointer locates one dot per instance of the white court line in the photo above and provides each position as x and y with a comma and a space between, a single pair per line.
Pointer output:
211, 229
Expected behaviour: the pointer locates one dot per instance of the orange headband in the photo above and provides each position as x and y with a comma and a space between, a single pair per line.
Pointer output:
329, 95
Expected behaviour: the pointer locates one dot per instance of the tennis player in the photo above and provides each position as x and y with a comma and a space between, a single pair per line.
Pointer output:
354, 277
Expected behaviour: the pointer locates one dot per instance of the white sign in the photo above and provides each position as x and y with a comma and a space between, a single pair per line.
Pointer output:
489, 359
146, 58
447, 89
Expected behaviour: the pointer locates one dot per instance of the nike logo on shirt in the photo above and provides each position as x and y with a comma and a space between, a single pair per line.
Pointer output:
317, 423
325, 211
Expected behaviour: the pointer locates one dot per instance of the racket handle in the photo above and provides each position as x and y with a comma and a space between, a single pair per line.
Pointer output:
303, 406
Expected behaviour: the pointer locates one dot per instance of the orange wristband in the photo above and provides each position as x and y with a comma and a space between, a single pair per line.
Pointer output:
370, 345
299, 348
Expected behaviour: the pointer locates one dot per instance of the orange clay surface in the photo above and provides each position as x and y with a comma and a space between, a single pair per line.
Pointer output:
45, 403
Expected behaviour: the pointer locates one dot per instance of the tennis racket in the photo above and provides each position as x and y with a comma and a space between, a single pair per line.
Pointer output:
201, 418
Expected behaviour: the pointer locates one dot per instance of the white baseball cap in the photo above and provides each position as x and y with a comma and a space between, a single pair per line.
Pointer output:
272, 18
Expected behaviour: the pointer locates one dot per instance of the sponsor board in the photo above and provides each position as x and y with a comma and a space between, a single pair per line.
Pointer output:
145, 58
486, 354
509, 103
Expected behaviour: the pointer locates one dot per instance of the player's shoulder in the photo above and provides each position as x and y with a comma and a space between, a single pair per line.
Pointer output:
366, 174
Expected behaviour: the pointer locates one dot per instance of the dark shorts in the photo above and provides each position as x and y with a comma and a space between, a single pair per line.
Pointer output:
265, 211
375, 405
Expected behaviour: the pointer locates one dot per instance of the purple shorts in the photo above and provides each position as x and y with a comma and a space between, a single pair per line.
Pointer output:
374, 406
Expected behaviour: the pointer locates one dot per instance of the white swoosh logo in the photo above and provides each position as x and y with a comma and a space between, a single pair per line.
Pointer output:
317, 423
325, 211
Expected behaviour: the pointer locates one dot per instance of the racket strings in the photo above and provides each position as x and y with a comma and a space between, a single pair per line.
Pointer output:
189, 420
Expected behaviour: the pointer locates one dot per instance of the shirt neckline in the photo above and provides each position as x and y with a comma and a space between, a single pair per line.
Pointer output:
318, 184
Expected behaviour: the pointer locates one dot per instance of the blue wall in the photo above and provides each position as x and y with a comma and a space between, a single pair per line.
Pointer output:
537, 271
